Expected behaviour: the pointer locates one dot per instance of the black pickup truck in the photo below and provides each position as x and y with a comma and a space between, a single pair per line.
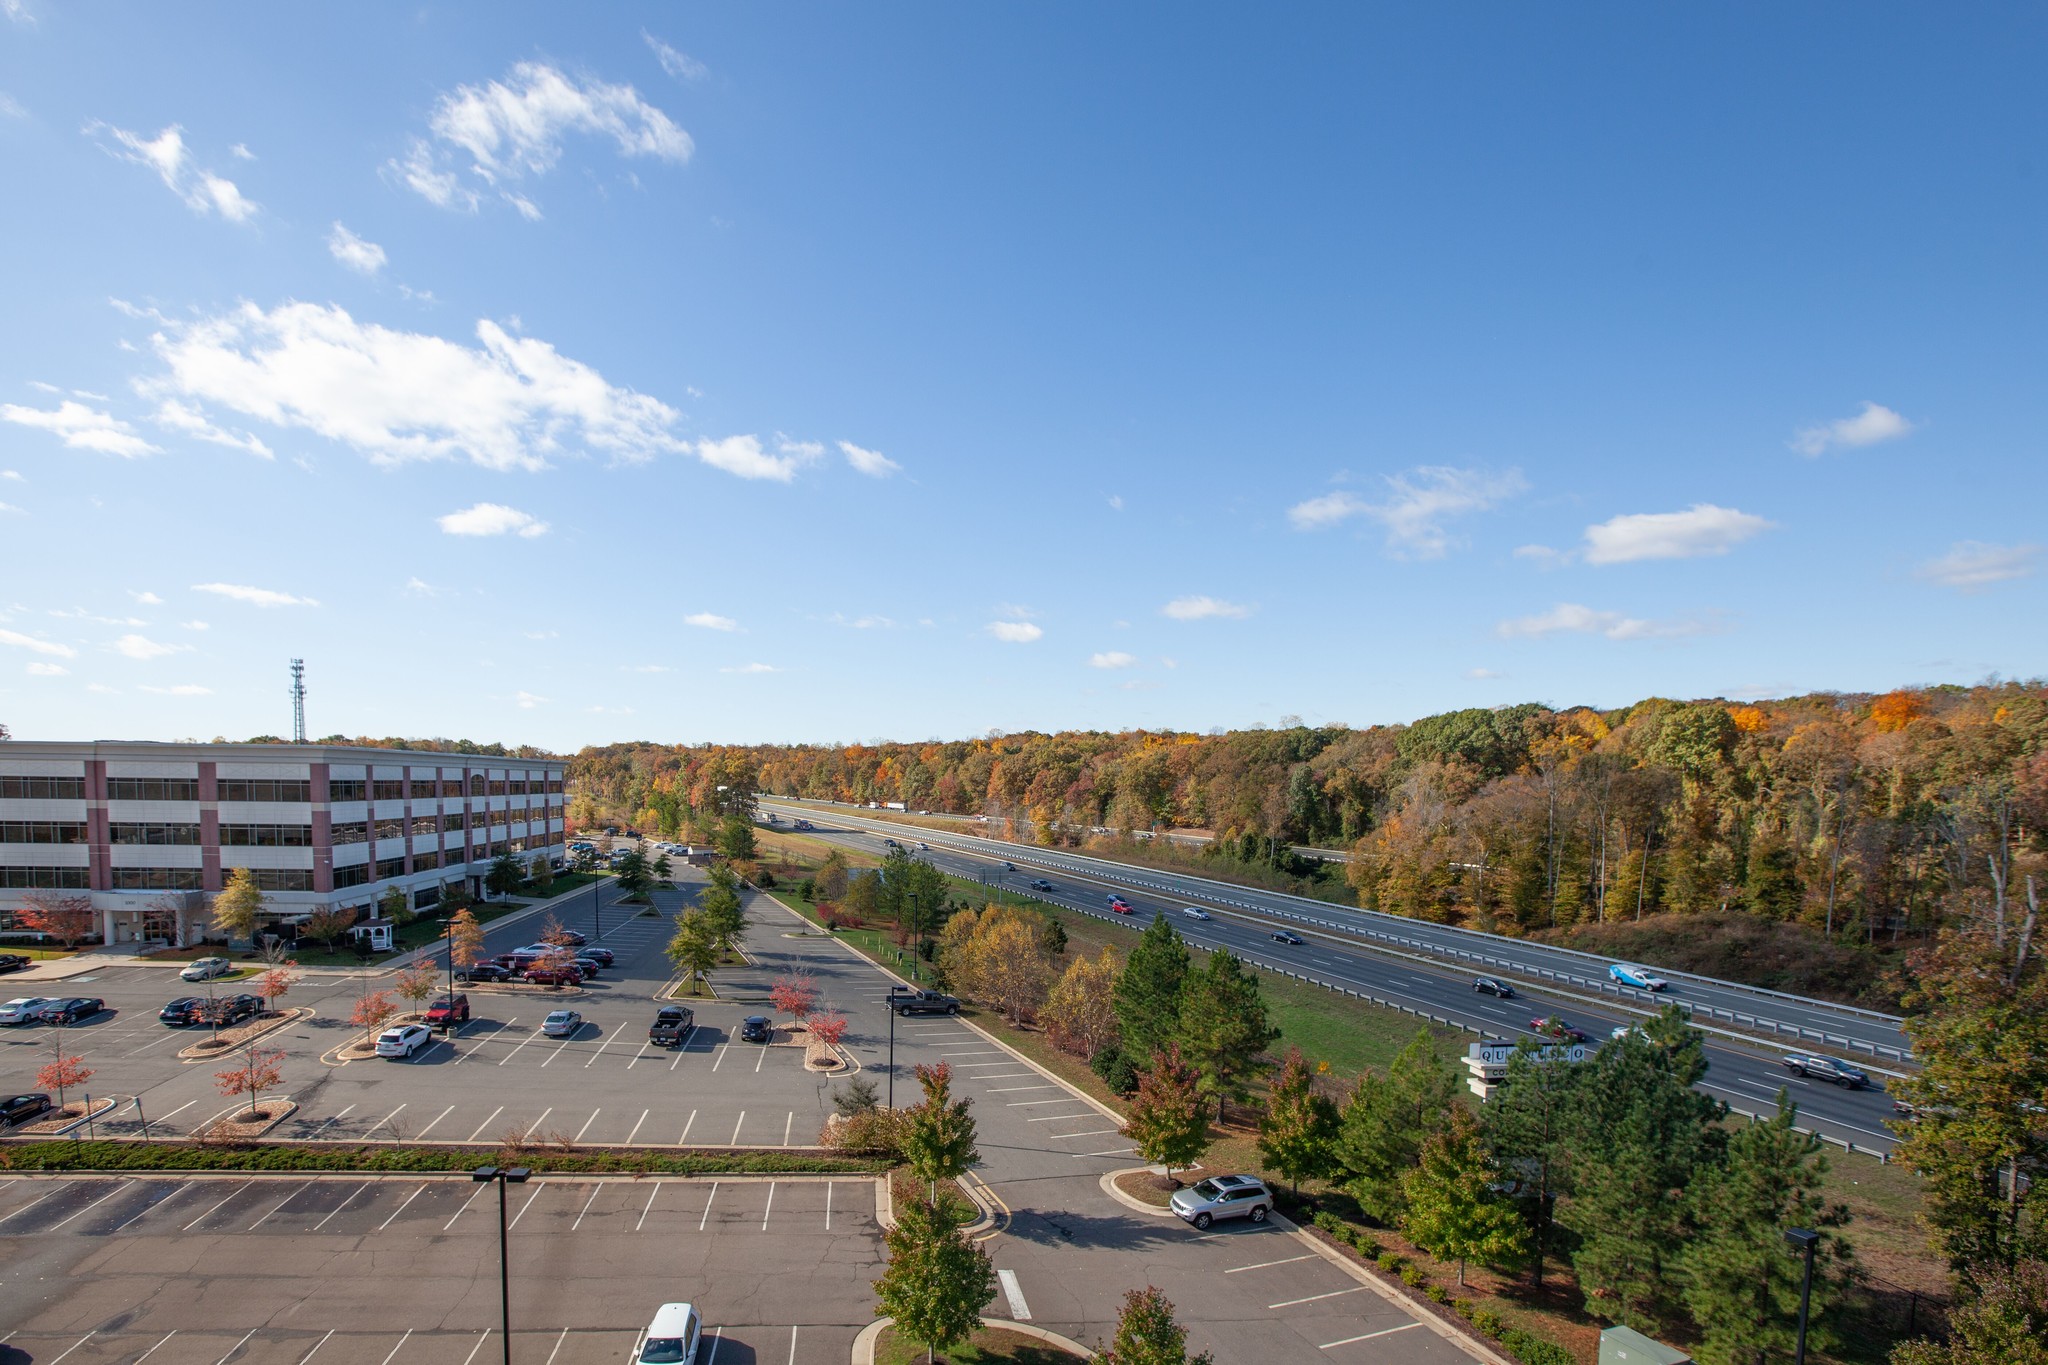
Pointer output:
922, 1002
672, 1024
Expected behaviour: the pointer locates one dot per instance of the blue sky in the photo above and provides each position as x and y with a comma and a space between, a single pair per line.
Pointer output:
562, 375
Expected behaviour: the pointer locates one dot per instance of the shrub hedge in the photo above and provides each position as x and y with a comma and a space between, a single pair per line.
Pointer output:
182, 1156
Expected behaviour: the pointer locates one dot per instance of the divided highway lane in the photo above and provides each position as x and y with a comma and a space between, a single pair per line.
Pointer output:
1798, 1020
1746, 1079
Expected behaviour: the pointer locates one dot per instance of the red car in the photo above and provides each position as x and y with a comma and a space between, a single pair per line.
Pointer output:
449, 1009
1120, 905
1553, 1027
566, 975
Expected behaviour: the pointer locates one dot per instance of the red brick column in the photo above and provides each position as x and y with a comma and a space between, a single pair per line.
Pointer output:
209, 826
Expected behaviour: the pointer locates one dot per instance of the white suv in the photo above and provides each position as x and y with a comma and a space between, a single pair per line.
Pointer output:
404, 1040
1223, 1196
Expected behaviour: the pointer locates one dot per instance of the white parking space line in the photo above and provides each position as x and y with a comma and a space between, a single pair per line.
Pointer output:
1023, 1104
721, 1057
464, 1209
686, 1128
1058, 1118
486, 1123
280, 1204
637, 1056
712, 1359
381, 1122
437, 1118
147, 1046
316, 1347
607, 1043
401, 1208
1242, 1232
478, 1347
80, 1342
770, 1208
118, 1187
1113, 1151
521, 1043
636, 1127
1268, 1265
153, 1205
325, 1122
527, 1205
33, 1202
707, 1206
534, 1127
399, 1347
551, 1354
222, 1361
787, 1125
828, 1206
204, 1216
1020, 1311
1090, 1132
342, 1205
792, 1346
1318, 1298
974, 1052
736, 1128
1003, 1076
1383, 1332
649, 1209
152, 1350
1013, 1089
166, 1118
586, 1207
559, 1049
983, 1066
758, 1061
586, 1124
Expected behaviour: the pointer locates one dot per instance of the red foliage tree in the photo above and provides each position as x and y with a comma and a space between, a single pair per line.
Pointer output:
829, 1027
795, 994
272, 985
371, 1012
261, 1069
63, 1073
64, 918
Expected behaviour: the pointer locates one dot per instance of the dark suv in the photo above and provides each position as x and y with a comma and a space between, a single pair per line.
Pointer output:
756, 1028
672, 1024
922, 1002
184, 1010
229, 1009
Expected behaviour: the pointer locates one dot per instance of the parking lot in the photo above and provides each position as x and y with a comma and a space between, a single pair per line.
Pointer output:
288, 1269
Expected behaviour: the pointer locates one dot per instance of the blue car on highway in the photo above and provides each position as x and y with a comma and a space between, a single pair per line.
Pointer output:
1642, 978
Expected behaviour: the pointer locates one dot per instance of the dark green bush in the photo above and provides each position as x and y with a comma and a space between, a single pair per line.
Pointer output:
1115, 1069
1531, 1349
1388, 1261
1411, 1276
1487, 1321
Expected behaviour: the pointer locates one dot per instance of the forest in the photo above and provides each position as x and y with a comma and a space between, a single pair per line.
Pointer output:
1867, 820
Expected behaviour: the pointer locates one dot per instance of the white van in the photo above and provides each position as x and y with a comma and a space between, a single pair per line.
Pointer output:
673, 1337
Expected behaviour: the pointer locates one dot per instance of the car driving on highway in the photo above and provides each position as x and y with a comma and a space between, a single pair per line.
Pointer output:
1819, 1067
1288, 937
1493, 985
1642, 978
1118, 905
1193, 912
1550, 1026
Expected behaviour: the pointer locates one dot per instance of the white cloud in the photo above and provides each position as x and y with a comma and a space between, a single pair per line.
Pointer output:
11, 107
743, 456
872, 463
12, 475
1543, 555
180, 690
751, 668
193, 625
707, 620
396, 396
240, 152
1868, 427
178, 417
365, 258
1203, 609
1568, 618
142, 647
419, 587
527, 700
508, 130
35, 646
681, 65
82, 428
80, 613
1703, 529
866, 622
1116, 502
1483, 674
147, 599
9, 509
492, 519
47, 670
167, 155
1972, 564
1421, 501
1015, 632
1114, 658
255, 597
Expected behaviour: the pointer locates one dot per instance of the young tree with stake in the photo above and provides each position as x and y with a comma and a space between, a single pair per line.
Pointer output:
794, 994
936, 1280
372, 1011
694, 949
261, 1069
415, 983
61, 1073
465, 939
940, 1142
1452, 1209
274, 982
1168, 1120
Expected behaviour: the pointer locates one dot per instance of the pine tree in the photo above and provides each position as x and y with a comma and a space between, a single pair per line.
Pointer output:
1453, 1211
1168, 1120
936, 1280
940, 1142
1742, 1284
723, 909
236, 907
1223, 1026
1531, 1125
1146, 1334
1148, 994
1386, 1121
1298, 1133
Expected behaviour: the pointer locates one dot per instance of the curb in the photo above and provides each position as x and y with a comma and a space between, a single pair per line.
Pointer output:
864, 1344
1109, 1188
113, 1102
286, 1020
291, 1107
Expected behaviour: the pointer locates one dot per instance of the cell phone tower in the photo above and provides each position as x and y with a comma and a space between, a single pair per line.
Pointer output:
298, 701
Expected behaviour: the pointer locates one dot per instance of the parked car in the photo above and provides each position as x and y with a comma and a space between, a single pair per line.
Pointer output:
588, 966
1824, 1068
601, 956
184, 1010
1193, 912
1642, 978
756, 1028
906, 1001
404, 1040
484, 971
573, 938
673, 1337
1550, 1026
1287, 936
206, 969
22, 1010
672, 1024
1487, 985
71, 1009
567, 974
451, 1010
20, 1109
12, 962
1222, 1196
562, 1024
228, 1009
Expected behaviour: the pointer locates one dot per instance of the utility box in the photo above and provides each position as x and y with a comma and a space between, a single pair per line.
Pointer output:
1627, 1346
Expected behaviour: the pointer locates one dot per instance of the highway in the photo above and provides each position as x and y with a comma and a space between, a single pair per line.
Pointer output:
1747, 1077
1793, 1021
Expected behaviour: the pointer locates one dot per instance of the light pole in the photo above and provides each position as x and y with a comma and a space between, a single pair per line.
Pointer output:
917, 960
892, 1054
503, 1176
1803, 1240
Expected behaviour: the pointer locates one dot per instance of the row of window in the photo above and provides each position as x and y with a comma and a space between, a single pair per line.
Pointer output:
419, 789
153, 834
260, 789
40, 832
42, 789
44, 878
156, 879
152, 789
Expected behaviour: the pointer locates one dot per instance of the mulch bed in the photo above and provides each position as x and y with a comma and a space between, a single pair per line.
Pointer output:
1147, 1187
238, 1127
228, 1039
63, 1118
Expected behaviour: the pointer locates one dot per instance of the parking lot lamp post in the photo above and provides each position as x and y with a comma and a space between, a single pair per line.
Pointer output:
1803, 1240
892, 1054
597, 909
503, 1176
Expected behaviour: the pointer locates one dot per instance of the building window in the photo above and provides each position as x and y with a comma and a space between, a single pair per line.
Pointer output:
426, 824
391, 829
425, 896
425, 862
154, 834
498, 788
387, 791
453, 822
45, 878
500, 849
501, 817
350, 834
555, 787
351, 876
477, 785
40, 832
263, 789
424, 791
42, 788
387, 868
283, 878
153, 788
156, 879
267, 836
346, 790
454, 857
